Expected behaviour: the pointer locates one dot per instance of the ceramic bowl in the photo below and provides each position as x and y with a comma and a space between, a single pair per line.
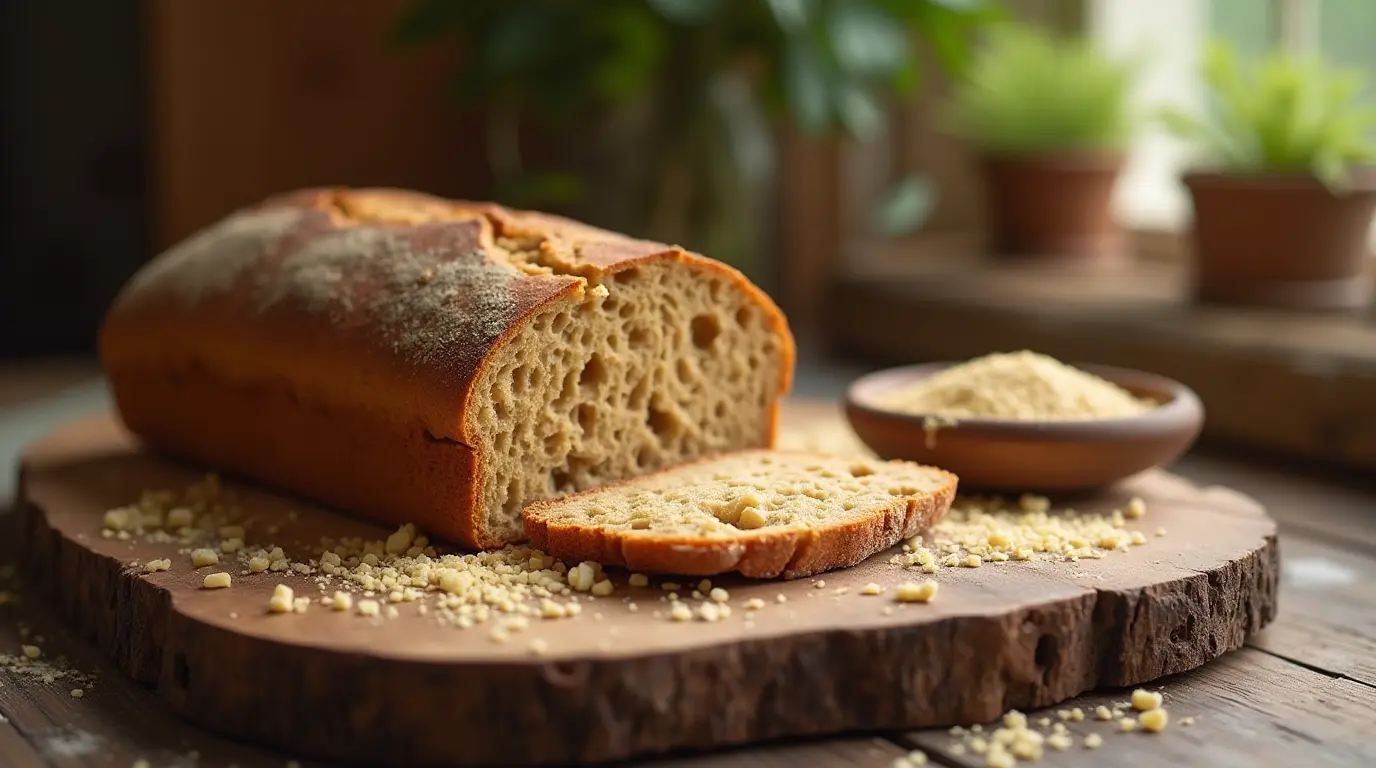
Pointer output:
1005, 456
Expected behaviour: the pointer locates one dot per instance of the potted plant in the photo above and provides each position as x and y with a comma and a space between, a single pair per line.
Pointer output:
1283, 203
1050, 120
664, 107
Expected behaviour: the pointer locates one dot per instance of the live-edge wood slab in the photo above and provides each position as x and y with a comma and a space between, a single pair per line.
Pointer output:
407, 690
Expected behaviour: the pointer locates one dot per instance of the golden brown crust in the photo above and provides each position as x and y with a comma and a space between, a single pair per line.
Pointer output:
293, 327
789, 553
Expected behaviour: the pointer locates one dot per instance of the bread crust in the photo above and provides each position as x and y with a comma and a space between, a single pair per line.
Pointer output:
764, 553
267, 341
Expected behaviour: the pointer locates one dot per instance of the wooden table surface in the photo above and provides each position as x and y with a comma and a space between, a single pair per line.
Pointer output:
1303, 691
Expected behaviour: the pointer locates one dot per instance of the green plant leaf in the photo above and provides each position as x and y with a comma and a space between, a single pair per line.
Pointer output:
1280, 114
905, 207
806, 87
686, 11
1029, 91
865, 40
858, 110
791, 15
634, 45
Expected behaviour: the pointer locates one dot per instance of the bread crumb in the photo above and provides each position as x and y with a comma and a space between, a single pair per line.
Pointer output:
871, 589
719, 595
819, 584
681, 612
1102, 712
915, 592
1154, 720
1135, 508
218, 580
369, 608
1143, 700
710, 612
781, 598
1060, 741
1094, 741
754, 604
603, 588
639, 580
203, 557
258, 564
341, 601
1077, 715
152, 566
77, 693
539, 647
301, 604
670, 586
281, 600
1127, 725
972, 561
1187, 721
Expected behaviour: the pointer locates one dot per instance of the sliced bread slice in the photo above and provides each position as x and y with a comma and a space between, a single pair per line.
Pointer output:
760, 513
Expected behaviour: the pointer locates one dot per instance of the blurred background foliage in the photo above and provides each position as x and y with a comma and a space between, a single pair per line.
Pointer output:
703, 84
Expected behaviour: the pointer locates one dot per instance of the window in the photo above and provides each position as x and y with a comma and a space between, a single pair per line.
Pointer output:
1168, 36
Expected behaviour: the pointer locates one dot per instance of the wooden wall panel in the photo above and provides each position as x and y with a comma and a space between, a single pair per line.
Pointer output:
251, 97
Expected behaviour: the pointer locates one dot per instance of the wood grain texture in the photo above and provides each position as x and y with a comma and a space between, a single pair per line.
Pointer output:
1250, 709
251, 97
1018, 635
1301, 385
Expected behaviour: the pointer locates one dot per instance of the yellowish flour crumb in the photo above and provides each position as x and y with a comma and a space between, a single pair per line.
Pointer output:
754, 604
1102, 712
77, 693
1135, 509
1143, 700
219, 580
369, 608
203, 557
1154, 720
916, 592
1127, 725
162, 564
639, 580
871, 589
1023, 386
281, 600
1094, 741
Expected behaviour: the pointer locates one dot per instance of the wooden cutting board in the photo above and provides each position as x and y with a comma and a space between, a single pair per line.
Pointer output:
612, 683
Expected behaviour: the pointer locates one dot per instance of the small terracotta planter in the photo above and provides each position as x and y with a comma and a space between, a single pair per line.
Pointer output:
1054, 205
1281, 241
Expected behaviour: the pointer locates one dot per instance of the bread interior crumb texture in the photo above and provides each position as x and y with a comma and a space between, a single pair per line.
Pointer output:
667, 364
723, 496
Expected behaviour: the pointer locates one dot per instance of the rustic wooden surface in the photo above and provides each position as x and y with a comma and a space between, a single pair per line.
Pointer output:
1304, 385
1299, 693
1014, 635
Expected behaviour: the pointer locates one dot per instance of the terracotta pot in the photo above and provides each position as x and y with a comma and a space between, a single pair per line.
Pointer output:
1053, 205
1281, 241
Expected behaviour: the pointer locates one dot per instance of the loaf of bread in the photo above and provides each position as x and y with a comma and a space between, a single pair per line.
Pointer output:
758, 513
444, 363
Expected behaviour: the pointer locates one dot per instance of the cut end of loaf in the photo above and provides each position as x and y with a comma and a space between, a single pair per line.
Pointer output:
659, 363
759, 513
